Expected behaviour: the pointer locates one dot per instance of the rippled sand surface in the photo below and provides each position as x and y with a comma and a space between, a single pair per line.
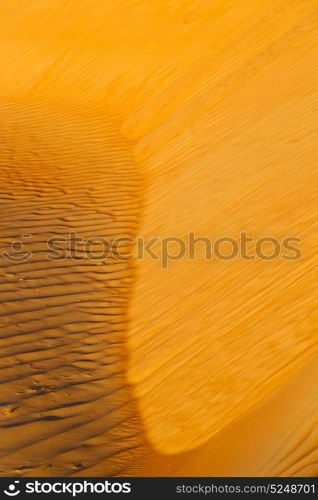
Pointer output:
155, 119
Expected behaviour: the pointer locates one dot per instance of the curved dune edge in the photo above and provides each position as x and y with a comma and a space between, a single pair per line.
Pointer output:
247, 64
277, 438
210, 339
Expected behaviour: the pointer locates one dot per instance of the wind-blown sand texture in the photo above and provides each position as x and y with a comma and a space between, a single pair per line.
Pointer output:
134, 118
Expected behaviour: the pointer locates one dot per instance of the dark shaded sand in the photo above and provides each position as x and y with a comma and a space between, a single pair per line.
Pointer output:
65, 405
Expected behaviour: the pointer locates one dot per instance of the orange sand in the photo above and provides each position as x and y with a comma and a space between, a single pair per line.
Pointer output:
155, 119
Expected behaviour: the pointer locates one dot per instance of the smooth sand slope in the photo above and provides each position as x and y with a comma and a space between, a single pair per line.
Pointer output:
157, 119
220, 335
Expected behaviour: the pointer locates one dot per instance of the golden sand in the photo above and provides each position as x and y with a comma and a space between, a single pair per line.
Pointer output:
134, 118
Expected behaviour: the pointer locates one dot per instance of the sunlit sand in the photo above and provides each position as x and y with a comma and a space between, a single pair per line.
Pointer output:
154, 119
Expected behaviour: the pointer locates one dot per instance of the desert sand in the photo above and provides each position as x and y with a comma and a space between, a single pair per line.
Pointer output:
130, 119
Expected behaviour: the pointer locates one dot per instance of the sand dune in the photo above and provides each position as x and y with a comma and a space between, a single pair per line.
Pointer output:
227, 336
148, 119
